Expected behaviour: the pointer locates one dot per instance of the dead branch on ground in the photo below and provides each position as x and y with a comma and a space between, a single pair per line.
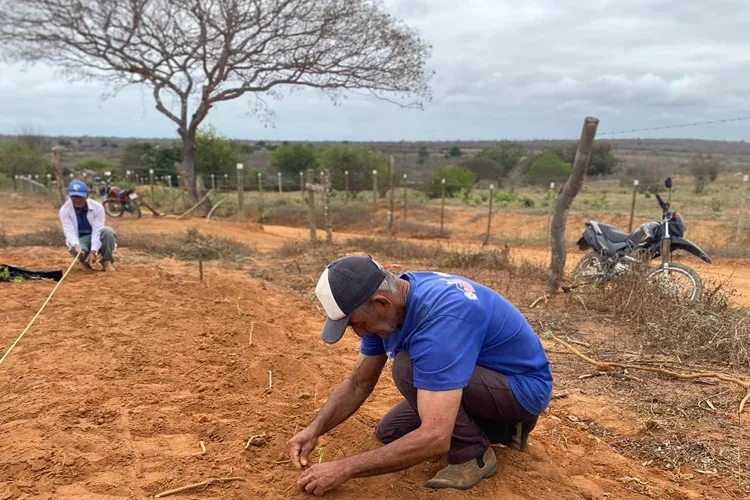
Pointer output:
606, 366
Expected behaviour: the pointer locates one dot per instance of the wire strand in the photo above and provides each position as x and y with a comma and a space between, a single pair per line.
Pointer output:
39, 311
683, 125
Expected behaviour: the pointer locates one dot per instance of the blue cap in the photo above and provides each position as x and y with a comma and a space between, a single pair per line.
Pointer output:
78, 188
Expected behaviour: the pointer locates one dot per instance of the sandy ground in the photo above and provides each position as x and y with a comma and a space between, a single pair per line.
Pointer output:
111, 392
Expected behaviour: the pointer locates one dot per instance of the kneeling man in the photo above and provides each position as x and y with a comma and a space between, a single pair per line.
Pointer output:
470, 367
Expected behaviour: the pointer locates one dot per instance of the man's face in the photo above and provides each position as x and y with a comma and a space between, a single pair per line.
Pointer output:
78, 202
381, 319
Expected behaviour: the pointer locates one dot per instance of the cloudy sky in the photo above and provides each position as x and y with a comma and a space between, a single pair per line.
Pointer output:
515, 69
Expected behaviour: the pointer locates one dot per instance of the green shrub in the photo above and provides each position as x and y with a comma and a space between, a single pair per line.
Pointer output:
548, 167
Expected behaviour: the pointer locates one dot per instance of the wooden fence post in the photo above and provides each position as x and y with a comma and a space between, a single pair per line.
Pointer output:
57, 166
260, 194
374, 190
569, 191
405, 198
311, 205
302, 185
327, 206
151, 184
346, 186
632, 206
213, 182
240, 192
278, 176
741, 214
489, 215
442, 204
392, 193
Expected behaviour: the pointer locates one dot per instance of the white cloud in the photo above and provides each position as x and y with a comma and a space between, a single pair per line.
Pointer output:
516, 68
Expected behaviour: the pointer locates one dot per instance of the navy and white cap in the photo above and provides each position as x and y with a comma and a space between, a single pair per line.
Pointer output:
346, 284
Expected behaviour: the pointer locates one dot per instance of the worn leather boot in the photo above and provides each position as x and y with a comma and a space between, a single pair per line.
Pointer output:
107, 266
464, 476
521, 437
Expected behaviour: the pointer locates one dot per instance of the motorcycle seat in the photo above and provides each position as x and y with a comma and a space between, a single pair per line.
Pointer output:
613, 234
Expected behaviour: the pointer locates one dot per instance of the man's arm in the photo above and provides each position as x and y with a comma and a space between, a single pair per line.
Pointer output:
346, 399
68, 225
350, 394
97, 224
437, 411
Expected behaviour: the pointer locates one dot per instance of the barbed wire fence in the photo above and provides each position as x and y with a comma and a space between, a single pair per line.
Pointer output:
399, 193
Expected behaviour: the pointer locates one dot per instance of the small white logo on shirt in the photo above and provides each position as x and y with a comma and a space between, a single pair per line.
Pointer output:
465, 287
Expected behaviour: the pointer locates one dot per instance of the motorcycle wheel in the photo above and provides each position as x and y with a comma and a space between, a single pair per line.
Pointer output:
587, 270
113, 208
692, 293
135, 209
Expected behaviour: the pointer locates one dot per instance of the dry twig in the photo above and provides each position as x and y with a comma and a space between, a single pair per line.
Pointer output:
606, 366
218, 480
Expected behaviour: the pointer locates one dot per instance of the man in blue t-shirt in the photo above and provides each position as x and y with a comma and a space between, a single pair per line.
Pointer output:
470, 367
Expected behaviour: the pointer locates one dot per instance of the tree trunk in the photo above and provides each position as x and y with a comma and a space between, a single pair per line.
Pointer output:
564, 200
188, 165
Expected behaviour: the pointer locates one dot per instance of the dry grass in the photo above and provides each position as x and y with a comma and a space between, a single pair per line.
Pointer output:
191, 245
343, 217
710, 330
49, 236
438, 256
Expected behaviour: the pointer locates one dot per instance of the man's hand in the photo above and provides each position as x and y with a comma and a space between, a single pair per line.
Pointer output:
93, 257
300, 447
323, 477
78, 249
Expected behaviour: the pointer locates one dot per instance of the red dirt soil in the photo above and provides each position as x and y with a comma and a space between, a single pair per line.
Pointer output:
110, 393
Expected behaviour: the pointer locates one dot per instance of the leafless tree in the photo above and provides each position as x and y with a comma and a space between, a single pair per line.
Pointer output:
31, 137
194, 54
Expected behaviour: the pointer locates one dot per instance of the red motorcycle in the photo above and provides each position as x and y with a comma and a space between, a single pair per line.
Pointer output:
117, 201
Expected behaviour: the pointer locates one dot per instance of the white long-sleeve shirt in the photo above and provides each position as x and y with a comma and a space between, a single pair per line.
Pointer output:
96, 218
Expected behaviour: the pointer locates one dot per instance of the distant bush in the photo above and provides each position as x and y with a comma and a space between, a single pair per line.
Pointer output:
705, 170
456, 179
548, 167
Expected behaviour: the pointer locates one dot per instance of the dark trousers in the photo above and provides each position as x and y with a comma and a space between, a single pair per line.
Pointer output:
488, 413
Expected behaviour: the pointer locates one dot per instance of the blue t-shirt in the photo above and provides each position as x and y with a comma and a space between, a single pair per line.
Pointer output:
84, 228
453, 324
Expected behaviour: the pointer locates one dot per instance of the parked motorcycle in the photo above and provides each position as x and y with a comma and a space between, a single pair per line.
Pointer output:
117, 201
616, 252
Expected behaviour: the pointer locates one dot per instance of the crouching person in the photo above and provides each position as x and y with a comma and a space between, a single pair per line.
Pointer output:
85, 233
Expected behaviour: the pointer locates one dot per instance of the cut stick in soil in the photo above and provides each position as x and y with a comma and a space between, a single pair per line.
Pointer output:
270, 380
189, 487
252, 327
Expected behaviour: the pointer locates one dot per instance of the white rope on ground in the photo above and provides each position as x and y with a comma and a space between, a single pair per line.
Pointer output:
39, 311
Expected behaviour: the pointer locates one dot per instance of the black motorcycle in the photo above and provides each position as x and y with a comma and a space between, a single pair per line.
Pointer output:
616, 252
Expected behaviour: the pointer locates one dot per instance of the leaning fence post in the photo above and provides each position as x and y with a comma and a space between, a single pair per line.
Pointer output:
374, 190
240, 192
741, 214
489, 215
632, 206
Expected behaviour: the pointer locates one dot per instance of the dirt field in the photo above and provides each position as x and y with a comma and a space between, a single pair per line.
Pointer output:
110, 393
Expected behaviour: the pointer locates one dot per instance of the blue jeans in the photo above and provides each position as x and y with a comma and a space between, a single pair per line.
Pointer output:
109, 238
